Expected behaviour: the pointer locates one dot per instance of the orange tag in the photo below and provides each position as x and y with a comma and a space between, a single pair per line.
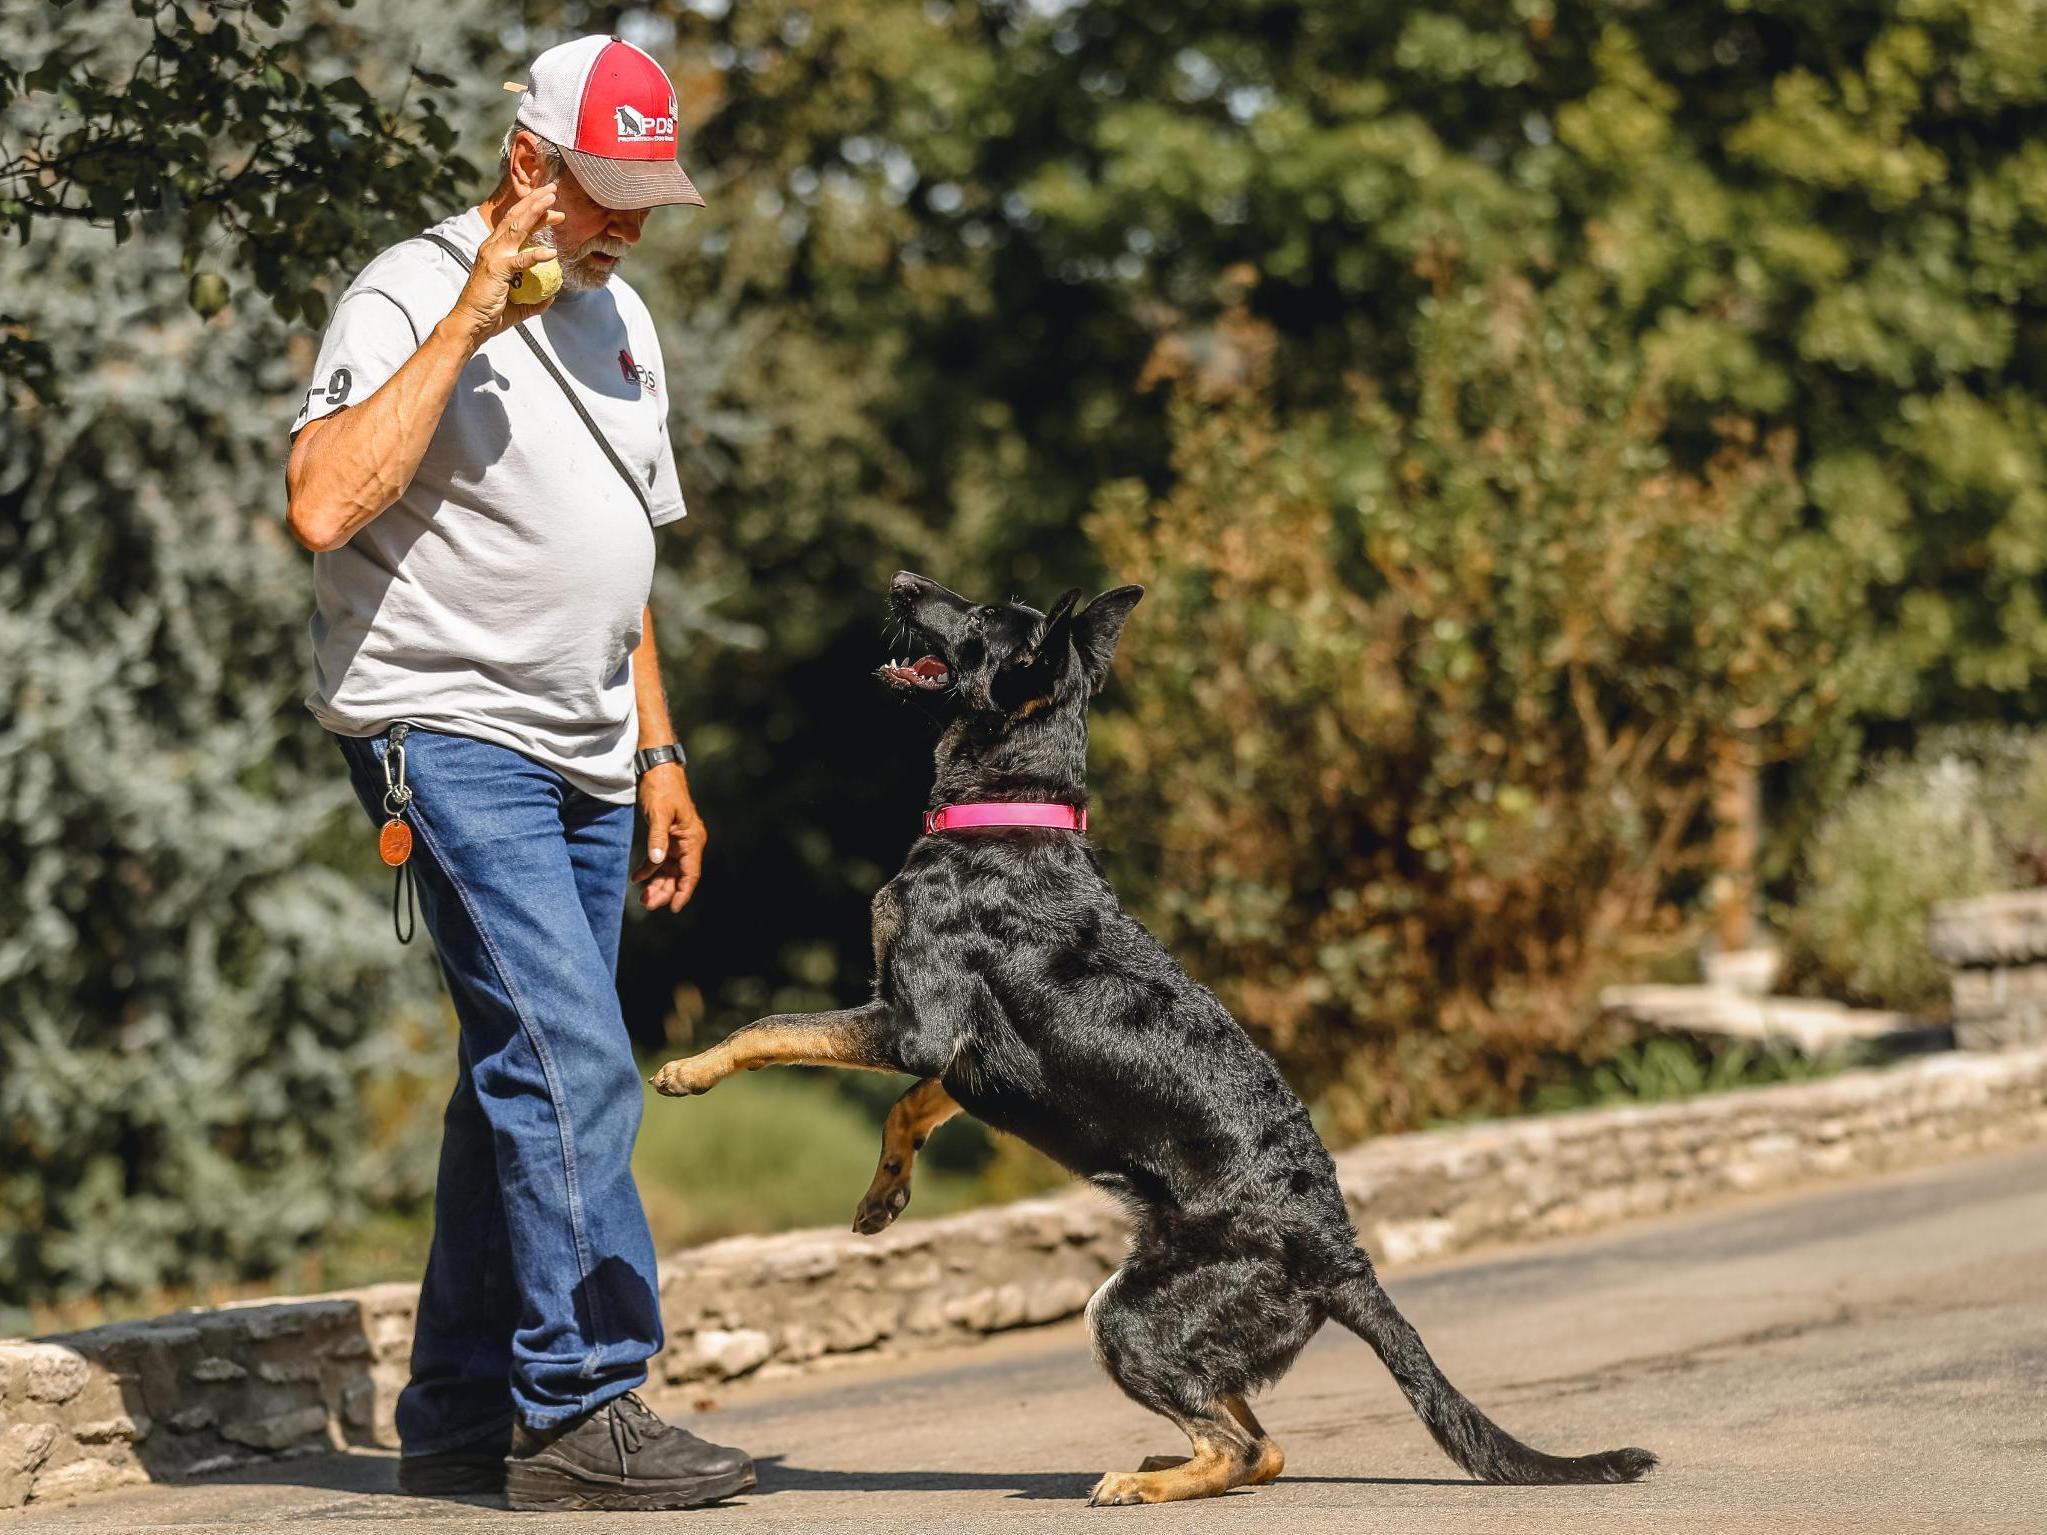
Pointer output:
394, 843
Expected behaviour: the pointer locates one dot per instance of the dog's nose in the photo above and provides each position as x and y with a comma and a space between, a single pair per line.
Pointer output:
906, 584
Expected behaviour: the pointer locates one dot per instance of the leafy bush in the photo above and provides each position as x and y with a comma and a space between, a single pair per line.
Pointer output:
197, 968
1420, 704
1966, 815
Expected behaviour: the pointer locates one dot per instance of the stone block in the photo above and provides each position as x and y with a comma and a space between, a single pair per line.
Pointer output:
1400, 1242
279, 1430
1060, 1298
266, 1322
974, 1311
79, 1477
728, 1354
1011, 1308
1990, 930
800, 1343
390, 1335
2001, 1034
359, 1403
49, 1372
122, 1430
24, 1446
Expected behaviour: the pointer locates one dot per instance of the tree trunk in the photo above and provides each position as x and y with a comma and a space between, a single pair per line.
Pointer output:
1735, 814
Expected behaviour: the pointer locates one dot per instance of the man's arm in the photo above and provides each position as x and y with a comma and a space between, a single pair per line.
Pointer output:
675, 833
347, 468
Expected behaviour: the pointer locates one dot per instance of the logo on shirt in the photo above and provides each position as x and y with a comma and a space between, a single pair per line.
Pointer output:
634, 373
634, 127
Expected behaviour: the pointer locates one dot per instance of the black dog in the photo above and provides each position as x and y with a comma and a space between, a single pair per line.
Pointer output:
1011, 983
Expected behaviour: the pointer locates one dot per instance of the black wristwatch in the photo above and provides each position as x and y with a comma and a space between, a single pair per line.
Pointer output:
653, 756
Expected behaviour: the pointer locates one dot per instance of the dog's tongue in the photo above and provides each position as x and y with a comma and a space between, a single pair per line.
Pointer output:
924, 672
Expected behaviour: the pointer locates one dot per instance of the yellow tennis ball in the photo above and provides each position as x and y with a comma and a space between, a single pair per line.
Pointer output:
537, 284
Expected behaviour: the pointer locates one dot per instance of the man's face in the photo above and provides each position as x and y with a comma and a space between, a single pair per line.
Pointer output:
591, 238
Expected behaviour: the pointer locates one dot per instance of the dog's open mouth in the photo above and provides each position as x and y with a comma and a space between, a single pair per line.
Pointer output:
926, 672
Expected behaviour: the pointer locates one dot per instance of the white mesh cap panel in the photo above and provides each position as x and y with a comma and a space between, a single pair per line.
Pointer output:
556, 91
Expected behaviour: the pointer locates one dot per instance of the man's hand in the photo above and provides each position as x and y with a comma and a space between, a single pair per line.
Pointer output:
485, 307
675, 839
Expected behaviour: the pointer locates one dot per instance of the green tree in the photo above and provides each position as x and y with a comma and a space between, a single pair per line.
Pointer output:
952, 233
206, 122
200, 1000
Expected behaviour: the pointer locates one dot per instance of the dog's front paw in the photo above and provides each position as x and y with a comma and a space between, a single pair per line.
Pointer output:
1119, 1487
880, 1208
685, 1078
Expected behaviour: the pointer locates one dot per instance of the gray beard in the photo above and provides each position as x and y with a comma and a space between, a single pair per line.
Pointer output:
579, 273
584, 275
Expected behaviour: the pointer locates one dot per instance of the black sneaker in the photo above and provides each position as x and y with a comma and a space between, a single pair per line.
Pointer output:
467, 1469
620, 1456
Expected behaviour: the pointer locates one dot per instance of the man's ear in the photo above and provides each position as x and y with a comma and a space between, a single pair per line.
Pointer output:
1097, 629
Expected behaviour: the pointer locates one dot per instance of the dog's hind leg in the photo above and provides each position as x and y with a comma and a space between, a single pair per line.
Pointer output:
1140, 1322
1271, 1458
1224, 1457
858, 1037
916, 1114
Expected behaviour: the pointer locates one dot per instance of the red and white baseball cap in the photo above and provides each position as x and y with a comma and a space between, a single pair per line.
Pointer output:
611, 109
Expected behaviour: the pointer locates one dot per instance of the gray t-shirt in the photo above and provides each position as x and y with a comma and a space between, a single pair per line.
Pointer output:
500, 595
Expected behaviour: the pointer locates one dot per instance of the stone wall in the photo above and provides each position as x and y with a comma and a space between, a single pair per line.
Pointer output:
201, 1390
1997, 945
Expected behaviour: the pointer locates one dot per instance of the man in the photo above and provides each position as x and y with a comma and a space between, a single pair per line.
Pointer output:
484, 657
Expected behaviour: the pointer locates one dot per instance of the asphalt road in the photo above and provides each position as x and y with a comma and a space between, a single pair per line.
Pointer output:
1871, 1358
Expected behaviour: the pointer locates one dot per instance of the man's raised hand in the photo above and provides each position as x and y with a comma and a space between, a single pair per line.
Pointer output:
486, 302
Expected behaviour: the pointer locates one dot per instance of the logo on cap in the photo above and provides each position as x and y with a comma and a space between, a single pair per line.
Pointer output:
633, 128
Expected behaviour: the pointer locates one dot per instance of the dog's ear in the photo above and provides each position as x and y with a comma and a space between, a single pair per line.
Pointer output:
1030, 677
1097, 629
1049, 637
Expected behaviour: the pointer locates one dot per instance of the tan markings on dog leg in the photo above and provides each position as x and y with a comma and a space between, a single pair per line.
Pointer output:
1222, 1459
916, 1114
791, 1039
1271, 1458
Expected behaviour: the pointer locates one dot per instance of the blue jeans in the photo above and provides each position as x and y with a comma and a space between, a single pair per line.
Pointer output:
540, 1298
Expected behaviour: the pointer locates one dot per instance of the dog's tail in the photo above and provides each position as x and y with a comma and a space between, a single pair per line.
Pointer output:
1484, 1449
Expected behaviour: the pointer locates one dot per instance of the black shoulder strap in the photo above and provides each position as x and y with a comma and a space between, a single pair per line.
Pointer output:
547, 362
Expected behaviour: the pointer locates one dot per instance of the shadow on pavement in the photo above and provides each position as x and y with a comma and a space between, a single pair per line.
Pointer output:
778, 1475
375, 1473
365, 1473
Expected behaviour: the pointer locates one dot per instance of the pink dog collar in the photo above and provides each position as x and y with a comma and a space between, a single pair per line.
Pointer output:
1011, 813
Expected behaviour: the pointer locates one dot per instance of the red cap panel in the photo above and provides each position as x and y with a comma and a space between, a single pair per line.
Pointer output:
627, 111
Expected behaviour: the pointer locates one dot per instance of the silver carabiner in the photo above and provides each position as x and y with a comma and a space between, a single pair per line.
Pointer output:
397, 794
